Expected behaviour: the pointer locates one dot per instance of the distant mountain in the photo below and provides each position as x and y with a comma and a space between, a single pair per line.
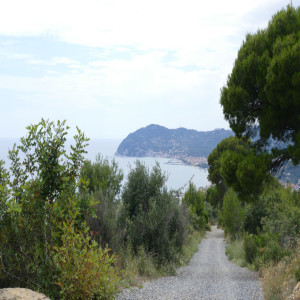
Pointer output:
159, 141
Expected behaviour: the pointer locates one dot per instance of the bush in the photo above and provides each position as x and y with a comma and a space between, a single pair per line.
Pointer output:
102, 175
212, 213
85, 270
254, 213
278, 281
232, 214
250, 247
236, 252
152, 215
104, 224
42, 192
283, 216
263, 249
194, 199
161, 230
104, 179
39, 192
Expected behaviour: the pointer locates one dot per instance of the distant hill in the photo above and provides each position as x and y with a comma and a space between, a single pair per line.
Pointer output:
291, 174
159, 141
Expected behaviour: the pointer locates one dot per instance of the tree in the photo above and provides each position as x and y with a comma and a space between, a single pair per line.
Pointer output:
102, 175
214, 196
43, 214
104, 179
263, 91
233, 163
232, 214
154, 218
141, 186
194, 199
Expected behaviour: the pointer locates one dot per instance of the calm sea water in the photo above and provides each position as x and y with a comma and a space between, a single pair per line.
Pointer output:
178, 175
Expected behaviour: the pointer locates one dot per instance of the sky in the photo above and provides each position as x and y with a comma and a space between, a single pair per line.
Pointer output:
111, 67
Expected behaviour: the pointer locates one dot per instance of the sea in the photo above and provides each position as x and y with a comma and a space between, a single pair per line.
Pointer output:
178, 175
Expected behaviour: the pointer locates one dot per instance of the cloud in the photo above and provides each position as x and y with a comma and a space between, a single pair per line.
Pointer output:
53, 61
112, 66
156, 24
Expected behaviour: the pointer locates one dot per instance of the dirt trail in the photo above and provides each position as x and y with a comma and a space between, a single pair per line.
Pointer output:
209, 275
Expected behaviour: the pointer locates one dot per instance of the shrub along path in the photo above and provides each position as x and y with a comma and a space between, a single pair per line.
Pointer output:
209, 275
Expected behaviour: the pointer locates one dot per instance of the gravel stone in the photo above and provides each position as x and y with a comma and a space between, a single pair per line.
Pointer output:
209, 275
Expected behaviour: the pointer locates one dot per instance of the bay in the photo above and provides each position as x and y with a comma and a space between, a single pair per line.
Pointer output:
178, 175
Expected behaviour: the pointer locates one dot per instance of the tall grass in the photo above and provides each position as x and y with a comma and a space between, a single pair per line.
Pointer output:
136, 268
280, 279
236, 252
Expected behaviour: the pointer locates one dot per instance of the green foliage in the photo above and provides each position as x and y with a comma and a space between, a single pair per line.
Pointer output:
152, 215
283, 216
140, 187
264, 87
232, 214
105, 223
261, 101
274, 220
85, 270
215, 195
102, 175
254, 213
236, 252
233, 144
263, 249
104, 180
234, 164
39, 194
194, 199
212, 214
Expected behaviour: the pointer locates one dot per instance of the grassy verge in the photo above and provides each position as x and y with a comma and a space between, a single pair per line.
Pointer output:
236, 253
136, 268
278, 279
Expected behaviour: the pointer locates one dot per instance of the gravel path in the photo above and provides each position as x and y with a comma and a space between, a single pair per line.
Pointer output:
209, 275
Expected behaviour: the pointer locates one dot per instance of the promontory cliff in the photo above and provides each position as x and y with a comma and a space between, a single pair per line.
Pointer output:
180, 143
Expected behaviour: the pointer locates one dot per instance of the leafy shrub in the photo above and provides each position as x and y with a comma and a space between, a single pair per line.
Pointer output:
104, 180
40, 193
279, 280
104, 224
152, 215
102, 175
232, 214
212, 213
251, 247
194, 199
254, 213
85, 270
263, 248
283, 216
161, 230
274, 279
236, 252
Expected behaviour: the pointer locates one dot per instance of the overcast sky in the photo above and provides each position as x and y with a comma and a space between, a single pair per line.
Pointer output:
113, 66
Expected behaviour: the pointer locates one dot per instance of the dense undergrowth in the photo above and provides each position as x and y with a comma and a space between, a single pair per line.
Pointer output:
69, 230
260, 100
273, 246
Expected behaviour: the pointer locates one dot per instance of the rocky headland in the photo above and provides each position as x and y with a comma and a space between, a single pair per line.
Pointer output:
186, 145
